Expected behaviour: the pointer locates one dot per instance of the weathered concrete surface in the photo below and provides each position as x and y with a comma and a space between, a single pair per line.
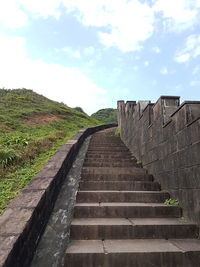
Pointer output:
113, 227
55, 239
165, 136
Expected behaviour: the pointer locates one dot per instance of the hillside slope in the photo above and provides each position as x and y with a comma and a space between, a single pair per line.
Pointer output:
32, 127
107, 115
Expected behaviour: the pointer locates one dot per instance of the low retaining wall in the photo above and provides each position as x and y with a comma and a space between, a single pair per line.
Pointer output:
165, 136
24, 220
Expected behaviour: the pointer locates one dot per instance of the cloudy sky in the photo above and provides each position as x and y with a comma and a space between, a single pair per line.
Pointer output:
91, 53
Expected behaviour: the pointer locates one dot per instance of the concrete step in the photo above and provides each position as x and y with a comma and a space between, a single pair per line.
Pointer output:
113, 170
121, 228
119, 185
102, 145
122, 196
113, 156
125, 210
133, 252
109, 164
116, 177
107, 148
110, 160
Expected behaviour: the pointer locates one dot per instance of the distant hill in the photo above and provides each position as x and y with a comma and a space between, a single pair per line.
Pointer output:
79, 109
107, 115
32, 127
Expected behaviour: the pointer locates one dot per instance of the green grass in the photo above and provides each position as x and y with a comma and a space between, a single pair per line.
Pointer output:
117, 132
170, 201
25, 148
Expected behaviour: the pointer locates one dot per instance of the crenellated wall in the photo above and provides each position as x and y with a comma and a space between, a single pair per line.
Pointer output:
165, 136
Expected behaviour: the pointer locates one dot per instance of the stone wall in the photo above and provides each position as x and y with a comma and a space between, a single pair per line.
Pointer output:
24, 220
165, 136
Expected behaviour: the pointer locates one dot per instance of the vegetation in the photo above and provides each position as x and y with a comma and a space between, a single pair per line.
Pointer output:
32, 128
139, 164
107, 115
170, 201
80, 110
117, 132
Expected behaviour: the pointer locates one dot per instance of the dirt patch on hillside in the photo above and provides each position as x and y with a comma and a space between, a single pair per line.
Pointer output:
41, 119
6, 127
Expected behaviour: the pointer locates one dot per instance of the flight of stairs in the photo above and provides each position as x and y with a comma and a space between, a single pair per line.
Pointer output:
120, 219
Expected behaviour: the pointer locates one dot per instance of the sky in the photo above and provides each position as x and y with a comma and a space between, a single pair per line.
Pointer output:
91, 53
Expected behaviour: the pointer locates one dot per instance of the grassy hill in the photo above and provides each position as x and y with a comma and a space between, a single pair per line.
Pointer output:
32, 127
107, 115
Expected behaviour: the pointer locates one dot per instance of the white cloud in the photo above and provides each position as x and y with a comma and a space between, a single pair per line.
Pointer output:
71, 52
42, 8
57, 82
164, 71
179, 14
196, 70
126, 23
89, 51
135, 68
156, 49
190, 50
146, 63
194, 83
15, 13
11, 16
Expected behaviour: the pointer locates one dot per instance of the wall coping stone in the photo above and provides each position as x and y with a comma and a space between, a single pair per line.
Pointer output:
23, 221
183, 104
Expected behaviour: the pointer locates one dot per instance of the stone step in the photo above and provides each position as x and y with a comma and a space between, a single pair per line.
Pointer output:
93, 159
109, 164
113, 156
113, 170
133, 252
116, 177
125, 210
122, 196
107, 148
119, 185
103, 145
121, 228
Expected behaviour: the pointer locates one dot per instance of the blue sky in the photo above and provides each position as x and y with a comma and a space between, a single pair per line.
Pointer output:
91, 53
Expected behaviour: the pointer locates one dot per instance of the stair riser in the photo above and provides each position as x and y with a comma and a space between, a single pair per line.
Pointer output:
157, 259
107, 148
110, 160
109, 164
112, 157
114, 170
101, 232
106, 145
126, 212
138, 186
88, 197
116, 177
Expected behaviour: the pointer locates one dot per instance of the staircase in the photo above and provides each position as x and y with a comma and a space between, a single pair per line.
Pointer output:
120, 219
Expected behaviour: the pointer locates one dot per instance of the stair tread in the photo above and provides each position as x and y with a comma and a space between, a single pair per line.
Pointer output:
125, 204
130, 221
123, 191
134, 246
